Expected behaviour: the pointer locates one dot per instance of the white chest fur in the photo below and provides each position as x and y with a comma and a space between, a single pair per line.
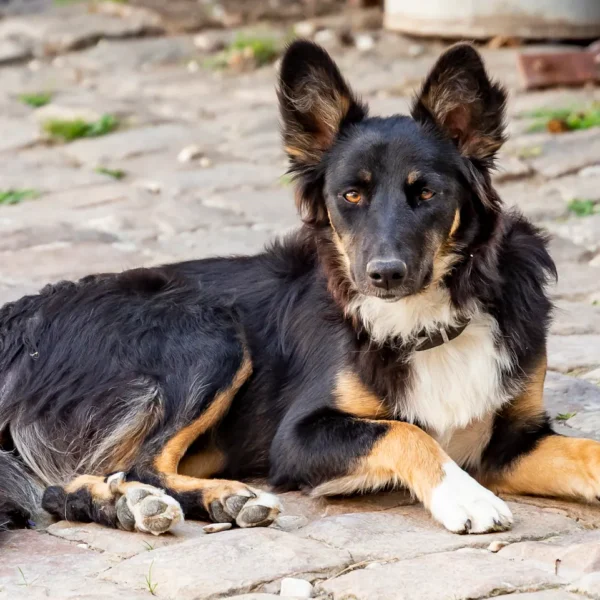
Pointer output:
454, 384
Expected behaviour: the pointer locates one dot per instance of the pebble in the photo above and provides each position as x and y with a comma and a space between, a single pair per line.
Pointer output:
216, 527
496, 546
305, 29
415, 50
364, 42
290, 522
297, 588
211, 41
190, 153
205, 162
590, 171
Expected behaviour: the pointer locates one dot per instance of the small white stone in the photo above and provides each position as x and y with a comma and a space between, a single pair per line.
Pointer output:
325, 36
216, 527
152, 186
496, 546
305, 29
297, 588
189, 153
364, 42
205, 162
193, 66
290, 522
590, 171
415, 50
82, 546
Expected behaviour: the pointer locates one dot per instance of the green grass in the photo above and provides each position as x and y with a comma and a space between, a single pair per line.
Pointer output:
149, 584
69, 130
286, 180
36, 100
573, 119
263, 49
149, 547
565, 416
530, 152
114, 173
15, 196
581, 208
24, 581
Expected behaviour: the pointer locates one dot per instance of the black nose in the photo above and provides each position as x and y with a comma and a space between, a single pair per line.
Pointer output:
386, 273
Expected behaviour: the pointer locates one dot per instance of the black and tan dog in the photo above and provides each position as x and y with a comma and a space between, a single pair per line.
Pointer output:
398, 338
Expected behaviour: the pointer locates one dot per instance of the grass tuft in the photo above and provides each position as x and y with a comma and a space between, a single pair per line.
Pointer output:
69, 130
581, 208
149, 584
16, 196
565, 416
114, 173
564, 119
36, 100
251, 50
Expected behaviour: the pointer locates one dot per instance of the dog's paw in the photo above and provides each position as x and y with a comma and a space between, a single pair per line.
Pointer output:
229, 502
146, 508
461, 505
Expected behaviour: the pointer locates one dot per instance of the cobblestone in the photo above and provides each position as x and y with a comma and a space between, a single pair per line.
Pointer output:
373, 547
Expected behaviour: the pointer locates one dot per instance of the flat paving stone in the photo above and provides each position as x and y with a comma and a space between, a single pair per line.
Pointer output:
544, 595
130, 143
575, 318
17, 134
569, 352
64, 30
571, 556
231, 562
123, 544
458, 575
390, 535
35, 565
567, 153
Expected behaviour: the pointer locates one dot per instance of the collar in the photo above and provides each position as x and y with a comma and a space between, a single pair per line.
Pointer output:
427, 341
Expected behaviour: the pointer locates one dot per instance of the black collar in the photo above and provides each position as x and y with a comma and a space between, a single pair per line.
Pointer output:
427, 341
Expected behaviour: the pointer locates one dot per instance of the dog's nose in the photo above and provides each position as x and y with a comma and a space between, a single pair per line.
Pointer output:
386, 273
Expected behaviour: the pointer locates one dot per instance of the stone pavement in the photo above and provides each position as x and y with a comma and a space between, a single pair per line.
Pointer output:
232, 198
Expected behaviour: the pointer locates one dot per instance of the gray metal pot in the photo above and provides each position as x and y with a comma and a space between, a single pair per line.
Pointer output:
476, 19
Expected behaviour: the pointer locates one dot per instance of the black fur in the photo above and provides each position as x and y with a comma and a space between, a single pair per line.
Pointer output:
152, 347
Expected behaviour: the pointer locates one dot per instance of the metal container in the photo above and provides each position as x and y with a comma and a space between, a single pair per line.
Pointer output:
480, 19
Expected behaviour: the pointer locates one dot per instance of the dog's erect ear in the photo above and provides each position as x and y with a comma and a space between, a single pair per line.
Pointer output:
315, 103
462, 101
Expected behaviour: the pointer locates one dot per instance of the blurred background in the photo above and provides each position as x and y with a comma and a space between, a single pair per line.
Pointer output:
136, 132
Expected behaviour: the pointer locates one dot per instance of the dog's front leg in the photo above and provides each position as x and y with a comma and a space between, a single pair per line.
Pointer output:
337, 453
525, 456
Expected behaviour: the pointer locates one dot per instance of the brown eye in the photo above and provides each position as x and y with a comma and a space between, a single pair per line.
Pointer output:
353, 197
426, 194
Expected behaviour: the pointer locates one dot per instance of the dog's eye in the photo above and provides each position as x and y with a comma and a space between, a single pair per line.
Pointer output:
426, 194
352, 196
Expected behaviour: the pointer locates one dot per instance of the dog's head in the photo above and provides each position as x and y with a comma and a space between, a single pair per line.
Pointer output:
398, 196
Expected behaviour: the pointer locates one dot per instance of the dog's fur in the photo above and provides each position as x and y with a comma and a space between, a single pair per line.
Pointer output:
126, 394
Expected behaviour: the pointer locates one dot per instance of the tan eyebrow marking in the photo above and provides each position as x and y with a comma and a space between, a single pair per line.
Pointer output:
412, 177
365, 175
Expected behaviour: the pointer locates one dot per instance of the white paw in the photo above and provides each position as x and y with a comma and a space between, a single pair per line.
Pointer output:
145, 508
260, 511
461, 505
244, 505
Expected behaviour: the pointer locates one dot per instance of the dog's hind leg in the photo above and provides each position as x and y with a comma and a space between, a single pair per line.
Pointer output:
115, 503
154, 495
217, 499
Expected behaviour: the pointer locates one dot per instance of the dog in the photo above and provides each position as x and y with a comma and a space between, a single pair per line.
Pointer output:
398, 338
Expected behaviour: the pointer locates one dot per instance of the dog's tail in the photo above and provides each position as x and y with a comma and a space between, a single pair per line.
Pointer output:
20, 493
